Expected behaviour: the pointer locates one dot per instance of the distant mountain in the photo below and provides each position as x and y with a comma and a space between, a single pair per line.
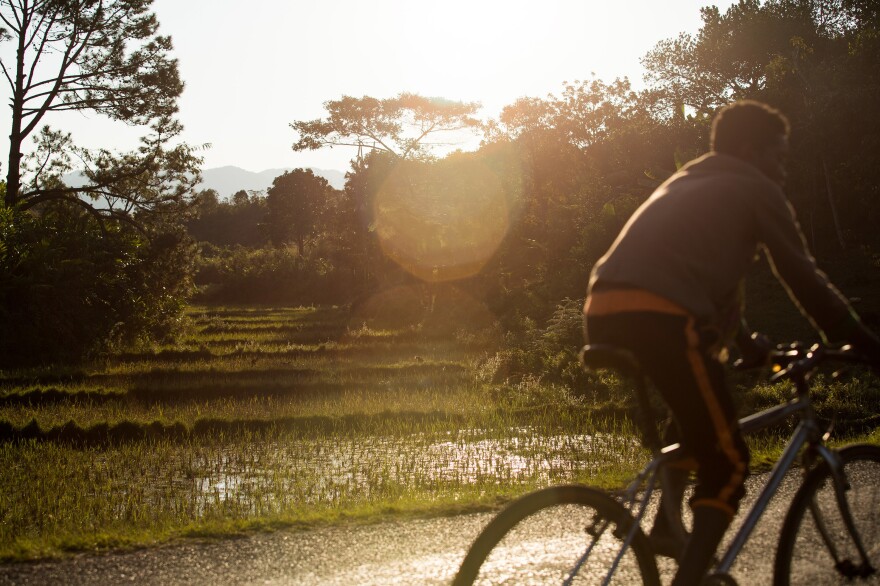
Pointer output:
227, 180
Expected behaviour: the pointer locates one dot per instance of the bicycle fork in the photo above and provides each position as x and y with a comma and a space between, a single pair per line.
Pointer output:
632, 504
841, 485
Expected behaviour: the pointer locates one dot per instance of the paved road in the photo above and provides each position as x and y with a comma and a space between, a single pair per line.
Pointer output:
424, 551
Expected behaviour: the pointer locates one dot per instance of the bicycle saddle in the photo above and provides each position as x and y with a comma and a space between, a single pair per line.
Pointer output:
606, 356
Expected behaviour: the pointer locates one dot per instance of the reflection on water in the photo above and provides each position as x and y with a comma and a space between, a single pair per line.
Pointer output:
332, 471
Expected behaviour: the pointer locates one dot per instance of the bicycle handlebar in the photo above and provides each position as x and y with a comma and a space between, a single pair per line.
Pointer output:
797, 362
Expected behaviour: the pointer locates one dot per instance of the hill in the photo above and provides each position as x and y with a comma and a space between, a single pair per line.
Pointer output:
227, 180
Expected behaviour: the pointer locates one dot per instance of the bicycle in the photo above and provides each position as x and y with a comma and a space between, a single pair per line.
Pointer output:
575, 534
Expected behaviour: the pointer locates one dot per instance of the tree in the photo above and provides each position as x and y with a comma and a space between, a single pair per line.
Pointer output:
103, 56
400, 126
71, 290
239, 221
294, 201
732, 57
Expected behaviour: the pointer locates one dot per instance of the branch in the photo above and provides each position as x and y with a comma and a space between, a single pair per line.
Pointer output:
8, 77
95, 103
15, 27
39, 52
420, 137
70, 57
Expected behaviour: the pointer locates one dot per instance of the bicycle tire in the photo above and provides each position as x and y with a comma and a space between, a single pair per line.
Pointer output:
802, 556
538, 539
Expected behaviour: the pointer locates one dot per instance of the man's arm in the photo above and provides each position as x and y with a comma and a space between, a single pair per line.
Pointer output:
818, 299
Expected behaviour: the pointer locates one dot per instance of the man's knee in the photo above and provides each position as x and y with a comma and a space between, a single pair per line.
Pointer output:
721, 478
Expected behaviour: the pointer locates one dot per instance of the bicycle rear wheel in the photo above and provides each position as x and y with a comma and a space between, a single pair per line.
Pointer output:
804, 555
548, 535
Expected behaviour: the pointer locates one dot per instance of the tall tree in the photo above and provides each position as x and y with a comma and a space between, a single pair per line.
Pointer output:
294, 203
405, 126
733, 56
103, 56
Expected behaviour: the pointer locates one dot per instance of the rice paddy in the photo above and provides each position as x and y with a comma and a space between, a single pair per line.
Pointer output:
262, 418
267, 417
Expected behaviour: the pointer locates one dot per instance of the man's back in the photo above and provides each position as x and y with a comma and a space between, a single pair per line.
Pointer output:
693, 241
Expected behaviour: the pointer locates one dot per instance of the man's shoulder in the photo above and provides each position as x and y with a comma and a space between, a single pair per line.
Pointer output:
715, 162
722, 170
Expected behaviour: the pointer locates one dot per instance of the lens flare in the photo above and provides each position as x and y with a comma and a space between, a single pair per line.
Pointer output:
441, 221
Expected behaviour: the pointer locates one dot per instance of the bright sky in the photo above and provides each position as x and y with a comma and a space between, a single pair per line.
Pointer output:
251, 69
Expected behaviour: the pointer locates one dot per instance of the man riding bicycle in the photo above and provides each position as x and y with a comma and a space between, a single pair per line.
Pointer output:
670, 291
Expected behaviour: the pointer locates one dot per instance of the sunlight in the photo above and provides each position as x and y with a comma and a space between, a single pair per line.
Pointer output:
441, 223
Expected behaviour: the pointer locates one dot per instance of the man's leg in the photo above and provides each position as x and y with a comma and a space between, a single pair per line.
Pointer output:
697, 394
673, 354
709, 527
692, 384
668, 536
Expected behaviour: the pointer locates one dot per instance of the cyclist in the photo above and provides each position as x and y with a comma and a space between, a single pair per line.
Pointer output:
670, 291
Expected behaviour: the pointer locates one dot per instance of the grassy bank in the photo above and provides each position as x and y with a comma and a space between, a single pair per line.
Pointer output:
266, 417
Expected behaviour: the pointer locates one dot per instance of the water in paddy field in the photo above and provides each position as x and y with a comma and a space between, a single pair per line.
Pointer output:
332, 470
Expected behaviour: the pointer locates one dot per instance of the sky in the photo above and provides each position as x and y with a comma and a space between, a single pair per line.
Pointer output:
253, 68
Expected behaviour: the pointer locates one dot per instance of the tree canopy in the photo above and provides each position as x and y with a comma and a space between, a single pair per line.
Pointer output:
104, 56
405, 126
88, 267
294, 203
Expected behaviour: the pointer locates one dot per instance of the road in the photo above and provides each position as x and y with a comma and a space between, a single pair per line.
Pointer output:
423, 551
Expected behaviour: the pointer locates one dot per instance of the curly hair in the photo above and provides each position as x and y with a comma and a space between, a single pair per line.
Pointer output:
746, 124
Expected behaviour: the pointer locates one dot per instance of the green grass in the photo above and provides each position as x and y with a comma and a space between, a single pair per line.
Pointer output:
298, 417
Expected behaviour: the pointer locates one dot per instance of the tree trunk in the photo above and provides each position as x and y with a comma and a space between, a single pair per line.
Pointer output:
833, 205
13, 173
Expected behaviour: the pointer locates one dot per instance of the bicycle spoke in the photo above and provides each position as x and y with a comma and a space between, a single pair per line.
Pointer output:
817, 545
578, 538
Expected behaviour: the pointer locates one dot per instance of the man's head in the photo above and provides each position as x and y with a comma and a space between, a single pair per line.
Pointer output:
754, 132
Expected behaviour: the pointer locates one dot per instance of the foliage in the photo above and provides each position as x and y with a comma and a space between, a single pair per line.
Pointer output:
295, 204
545, 358
71, 289
817, 62
402, 126
104, 57
90, 267
239, 221
266, 275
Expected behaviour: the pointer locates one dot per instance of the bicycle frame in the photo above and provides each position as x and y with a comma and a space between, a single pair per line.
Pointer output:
807, 433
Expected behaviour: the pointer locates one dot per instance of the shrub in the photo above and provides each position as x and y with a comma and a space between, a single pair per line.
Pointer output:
266, 275
70, 289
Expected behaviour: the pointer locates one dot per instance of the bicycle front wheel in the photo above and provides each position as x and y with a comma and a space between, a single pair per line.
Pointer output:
560, 535
815, 546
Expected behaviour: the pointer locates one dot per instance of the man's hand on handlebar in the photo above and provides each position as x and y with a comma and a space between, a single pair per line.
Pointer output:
867, 344
754, 349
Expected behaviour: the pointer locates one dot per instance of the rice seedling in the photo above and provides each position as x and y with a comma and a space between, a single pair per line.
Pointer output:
268, 417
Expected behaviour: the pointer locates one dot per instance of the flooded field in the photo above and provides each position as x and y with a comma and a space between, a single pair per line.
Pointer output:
319, 473
266, 477
278, 416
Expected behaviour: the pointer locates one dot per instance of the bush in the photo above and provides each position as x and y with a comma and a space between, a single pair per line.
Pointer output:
70, 290
541, 365
266, 275
550, 353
